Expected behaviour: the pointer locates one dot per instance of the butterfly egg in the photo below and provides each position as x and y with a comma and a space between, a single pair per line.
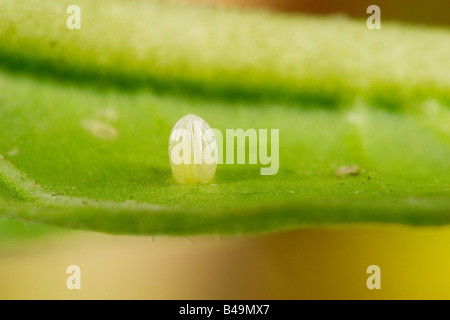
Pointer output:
192, 150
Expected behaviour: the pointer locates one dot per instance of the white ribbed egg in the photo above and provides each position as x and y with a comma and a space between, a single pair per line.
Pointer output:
192, 150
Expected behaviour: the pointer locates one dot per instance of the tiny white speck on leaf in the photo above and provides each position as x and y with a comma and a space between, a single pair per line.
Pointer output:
13, 152
352, 169
99, 129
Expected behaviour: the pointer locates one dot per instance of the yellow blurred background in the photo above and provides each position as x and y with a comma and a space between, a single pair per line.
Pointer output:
327, 263
433, 12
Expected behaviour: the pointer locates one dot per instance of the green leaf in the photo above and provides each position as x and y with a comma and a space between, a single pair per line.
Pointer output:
85, 117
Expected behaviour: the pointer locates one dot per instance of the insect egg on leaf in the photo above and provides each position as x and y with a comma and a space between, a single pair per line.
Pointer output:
192, 150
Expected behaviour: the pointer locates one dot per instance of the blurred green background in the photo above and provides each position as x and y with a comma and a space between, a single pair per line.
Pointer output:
326, 263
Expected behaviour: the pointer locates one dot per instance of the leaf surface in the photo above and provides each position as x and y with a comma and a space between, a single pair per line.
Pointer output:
85, 117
